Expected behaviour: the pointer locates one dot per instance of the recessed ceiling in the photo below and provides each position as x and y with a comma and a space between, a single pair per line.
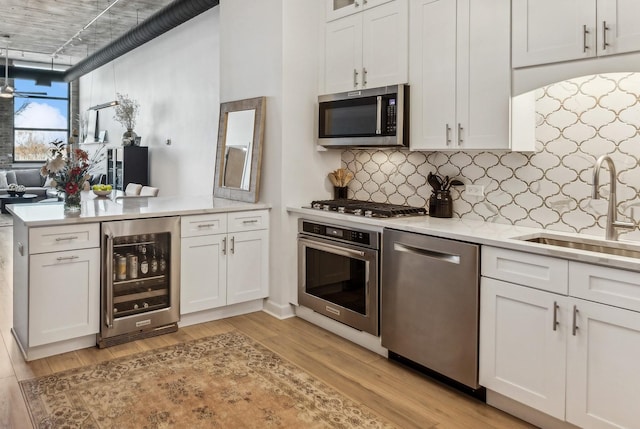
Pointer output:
40, 28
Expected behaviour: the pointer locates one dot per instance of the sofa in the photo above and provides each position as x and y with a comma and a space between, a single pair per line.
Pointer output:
31, 179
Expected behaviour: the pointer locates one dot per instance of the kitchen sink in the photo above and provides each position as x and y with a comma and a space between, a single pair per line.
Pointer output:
591, 245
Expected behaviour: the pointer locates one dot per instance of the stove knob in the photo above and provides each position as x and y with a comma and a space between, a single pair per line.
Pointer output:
340, 209
326, 207
368, 213
357, 212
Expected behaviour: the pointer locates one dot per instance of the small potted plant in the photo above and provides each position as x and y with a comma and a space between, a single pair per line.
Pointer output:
126, 113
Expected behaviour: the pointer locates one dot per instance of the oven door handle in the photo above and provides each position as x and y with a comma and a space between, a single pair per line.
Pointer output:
339, 250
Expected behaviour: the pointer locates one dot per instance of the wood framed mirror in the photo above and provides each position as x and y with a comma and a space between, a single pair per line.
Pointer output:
239, 152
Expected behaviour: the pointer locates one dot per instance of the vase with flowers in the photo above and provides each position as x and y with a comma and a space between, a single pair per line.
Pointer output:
68, 167
126, 113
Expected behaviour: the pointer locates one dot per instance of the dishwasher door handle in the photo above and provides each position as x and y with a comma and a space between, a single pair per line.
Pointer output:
441, 256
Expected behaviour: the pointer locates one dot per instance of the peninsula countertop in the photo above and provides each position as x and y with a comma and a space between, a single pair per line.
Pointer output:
101, 209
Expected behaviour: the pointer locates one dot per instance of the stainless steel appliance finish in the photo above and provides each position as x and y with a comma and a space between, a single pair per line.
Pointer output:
365, 118
141, 279
367, 208
430, 303
338, 273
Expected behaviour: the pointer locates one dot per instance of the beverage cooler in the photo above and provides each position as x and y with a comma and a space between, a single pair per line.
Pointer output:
141, 279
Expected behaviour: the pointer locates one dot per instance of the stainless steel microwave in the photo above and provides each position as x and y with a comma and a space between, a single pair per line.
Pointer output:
365, 118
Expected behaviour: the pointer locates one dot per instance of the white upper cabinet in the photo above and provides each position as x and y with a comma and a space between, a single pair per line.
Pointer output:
548, 31
340, 8
459, 72
367, 50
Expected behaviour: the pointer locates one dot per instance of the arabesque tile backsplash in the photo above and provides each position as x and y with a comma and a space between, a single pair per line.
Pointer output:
577, 121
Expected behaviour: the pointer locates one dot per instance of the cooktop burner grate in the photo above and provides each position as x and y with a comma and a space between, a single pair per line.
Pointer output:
368, 208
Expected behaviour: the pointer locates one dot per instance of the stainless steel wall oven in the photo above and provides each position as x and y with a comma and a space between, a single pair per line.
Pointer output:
141, 279
338, 270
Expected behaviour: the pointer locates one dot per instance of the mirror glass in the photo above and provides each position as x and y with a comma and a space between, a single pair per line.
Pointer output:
240, 139
237, 154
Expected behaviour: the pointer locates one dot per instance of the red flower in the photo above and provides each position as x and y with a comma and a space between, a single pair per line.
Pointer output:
82, 155
71, 188
76, 171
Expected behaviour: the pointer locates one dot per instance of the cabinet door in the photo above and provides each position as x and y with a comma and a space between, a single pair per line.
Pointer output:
64, 295
483, 84
522, 349
547, 31
602, 373
432, 73
203, 273
385, 54
617, 27
248, 266
340, 8
343, 54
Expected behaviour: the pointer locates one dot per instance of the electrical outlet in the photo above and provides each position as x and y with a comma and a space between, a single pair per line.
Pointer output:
474, 190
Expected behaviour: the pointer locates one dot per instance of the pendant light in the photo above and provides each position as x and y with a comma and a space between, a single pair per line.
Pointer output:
7, 90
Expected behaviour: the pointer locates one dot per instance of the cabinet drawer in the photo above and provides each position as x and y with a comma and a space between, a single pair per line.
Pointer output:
537, 271
193, 226
248, 221
67, 237
605, 285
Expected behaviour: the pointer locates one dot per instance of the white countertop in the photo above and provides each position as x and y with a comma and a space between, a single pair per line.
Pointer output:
485, 233
100, 209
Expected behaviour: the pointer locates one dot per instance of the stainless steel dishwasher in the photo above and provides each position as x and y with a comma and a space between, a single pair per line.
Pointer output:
430, 303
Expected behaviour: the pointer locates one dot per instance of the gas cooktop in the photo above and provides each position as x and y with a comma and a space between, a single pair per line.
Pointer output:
367, 208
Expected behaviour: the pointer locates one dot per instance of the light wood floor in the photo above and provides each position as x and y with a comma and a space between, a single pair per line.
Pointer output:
405, 398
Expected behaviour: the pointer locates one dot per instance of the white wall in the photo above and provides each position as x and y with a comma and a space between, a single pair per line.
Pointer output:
176, 80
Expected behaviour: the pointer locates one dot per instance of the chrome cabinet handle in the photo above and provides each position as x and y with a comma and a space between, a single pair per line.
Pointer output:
575, 328
224, 246
250, 221
206, 225
460, 140
604, 35
447, 134
364, 76
66, 258
355, 78
233, 245
555, 315
585, 32
71, 237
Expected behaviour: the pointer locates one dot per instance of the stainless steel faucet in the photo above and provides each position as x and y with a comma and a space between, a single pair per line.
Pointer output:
611, 233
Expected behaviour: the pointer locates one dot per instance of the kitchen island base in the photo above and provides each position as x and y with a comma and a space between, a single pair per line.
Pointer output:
46, 350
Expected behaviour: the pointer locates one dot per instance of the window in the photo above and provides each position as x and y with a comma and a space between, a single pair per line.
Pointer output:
41, 116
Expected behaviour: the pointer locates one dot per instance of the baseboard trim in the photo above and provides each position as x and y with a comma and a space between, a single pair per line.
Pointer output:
525, 413
220, 313
278, 311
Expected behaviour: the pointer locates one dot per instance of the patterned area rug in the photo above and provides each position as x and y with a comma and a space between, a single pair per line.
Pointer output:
225, 381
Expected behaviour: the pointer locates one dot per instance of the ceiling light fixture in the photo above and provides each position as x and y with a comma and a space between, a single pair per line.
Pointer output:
7, 90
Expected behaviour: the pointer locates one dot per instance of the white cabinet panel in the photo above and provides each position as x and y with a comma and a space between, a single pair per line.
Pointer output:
339, 8
459, 71
204, 273
367, 49
602, 370
605, 285
64, 237
247, 274
622, 34
522, 348
64, 295
197, 225
248, 221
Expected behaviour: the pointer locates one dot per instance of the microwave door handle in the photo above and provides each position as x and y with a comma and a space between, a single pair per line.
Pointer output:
379, 115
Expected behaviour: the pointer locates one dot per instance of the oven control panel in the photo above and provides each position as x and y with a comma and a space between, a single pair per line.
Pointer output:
351, 235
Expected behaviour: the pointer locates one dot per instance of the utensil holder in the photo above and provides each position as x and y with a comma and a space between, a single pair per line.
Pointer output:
440, 204
340, 192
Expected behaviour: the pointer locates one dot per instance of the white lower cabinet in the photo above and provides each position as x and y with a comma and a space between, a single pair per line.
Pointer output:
64, 295
522, 356
224, 260
570, 358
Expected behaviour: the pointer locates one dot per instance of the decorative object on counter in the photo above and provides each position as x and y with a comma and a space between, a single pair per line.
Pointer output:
14, 189
101, 190
340, 178
126, 113
268, 388
68, 167
440, 202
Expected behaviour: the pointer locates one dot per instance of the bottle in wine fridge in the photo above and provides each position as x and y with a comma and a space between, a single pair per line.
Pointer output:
141, 279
